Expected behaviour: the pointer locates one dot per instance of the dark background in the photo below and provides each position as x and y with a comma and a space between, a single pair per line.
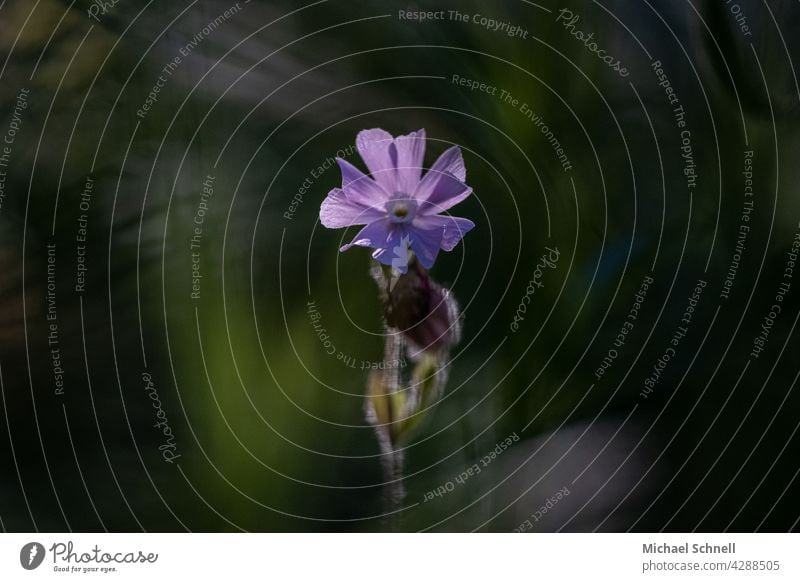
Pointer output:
269, 428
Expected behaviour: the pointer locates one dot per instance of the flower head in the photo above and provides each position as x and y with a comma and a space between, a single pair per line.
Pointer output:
400, 208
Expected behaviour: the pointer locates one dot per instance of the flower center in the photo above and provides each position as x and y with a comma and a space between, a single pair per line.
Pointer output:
401, 210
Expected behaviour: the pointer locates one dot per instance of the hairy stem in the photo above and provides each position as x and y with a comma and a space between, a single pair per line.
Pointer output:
394, 490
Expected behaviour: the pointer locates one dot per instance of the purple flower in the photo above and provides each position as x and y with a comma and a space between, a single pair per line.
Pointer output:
400, 207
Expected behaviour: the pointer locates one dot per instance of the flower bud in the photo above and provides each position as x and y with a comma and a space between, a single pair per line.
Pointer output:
424, 312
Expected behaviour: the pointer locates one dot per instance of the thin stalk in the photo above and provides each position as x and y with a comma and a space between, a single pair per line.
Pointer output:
392, 460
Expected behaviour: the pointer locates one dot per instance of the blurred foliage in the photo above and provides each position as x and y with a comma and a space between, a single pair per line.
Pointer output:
269, 426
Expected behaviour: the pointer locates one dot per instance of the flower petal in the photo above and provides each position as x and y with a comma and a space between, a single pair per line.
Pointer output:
360, 187
339, 211
451, 161
440, 191
426, 240
410, 155
374, 235
377, 149
390, 241
395, 252
453, 228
